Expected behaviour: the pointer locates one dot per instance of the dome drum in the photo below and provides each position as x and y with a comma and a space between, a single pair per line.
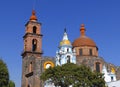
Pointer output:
85, 44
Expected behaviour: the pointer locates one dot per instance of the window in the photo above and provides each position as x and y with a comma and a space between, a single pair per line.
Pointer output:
98, 67
67, 49
80, 52
111, 78
30, 67
28, 85
34, 45
34, 29
59, 60
90, 52
68, 59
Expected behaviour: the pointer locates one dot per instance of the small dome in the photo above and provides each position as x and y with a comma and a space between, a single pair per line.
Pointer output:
65, 42
83, 40
33, 17
112, 70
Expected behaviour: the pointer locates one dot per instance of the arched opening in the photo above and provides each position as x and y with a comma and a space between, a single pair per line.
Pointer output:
34, 29
30, 67
34, 45
59, 60
90, 52
80, 52
67, 49
97, 66
68, 59
111, 78
28, 86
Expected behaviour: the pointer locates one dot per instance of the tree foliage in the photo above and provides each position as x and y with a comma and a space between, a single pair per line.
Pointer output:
72, 74
11, 83
4, 76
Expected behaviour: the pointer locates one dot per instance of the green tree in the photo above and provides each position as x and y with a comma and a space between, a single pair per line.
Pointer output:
4, 74
72, 74
11, 83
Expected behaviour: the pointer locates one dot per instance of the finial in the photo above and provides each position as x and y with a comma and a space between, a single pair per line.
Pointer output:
33, 17
82, 30
65, 29
82, 25
33, 12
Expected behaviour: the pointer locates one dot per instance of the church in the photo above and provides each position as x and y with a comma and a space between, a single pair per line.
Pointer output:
83, 50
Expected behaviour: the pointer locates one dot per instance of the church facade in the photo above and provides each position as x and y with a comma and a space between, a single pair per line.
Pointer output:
83, 50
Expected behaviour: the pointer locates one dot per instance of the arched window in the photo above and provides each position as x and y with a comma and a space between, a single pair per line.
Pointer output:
90, 52
68, 59
34, 29
80, 52
97, 66
28, 86
34, 45
59, 60
67, 49
111, 78
30, 67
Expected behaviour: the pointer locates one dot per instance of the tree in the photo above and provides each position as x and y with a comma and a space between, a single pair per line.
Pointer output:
4, 74
11, 83
72, 74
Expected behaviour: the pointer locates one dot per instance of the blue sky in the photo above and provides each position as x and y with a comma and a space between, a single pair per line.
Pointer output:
101, 19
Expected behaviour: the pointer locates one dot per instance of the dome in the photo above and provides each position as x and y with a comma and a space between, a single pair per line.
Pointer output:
33, 17
65, 42
83, 40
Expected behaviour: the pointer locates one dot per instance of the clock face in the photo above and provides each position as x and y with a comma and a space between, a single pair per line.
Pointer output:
48, 64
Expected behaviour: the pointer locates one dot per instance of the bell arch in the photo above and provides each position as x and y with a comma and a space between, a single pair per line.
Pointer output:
34, 45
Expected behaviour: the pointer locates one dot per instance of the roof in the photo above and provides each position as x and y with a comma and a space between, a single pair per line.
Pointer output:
83, 40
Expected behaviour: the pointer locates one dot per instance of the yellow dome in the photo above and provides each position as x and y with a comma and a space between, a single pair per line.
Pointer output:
65, 42
112, 70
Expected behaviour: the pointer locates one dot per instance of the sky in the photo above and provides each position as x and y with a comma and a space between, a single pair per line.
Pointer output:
101, 19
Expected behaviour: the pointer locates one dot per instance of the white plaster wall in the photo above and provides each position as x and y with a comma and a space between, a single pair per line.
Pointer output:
114, 84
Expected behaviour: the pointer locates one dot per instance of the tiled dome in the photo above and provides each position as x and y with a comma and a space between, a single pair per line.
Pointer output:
65, 42
83, 40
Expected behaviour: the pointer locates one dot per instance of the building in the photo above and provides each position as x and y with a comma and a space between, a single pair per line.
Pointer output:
65, 54
33, 63
114, 84
82, 51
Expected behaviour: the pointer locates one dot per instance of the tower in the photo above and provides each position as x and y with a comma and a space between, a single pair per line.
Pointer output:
65, 54
32, 52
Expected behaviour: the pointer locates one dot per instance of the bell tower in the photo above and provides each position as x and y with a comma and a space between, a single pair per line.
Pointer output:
65, 53
32, 37
32, 53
